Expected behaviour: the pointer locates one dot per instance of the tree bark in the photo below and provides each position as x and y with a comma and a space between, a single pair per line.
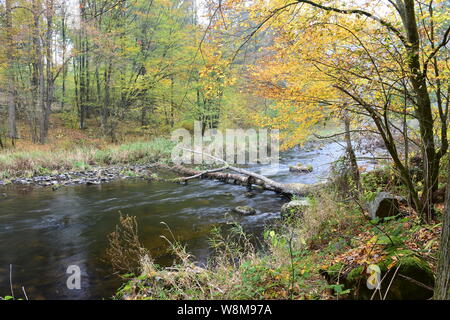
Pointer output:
37, 78
244, 177
423, 111
442, 285
64, 50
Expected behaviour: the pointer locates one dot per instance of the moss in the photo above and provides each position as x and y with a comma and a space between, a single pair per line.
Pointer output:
355, 274
411, 271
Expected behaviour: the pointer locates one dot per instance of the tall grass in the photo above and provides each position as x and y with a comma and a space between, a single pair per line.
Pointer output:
27, 164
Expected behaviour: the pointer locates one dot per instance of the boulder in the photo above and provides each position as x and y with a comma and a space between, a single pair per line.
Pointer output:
414, 279
294, 207
301, 168
384, 205
245, 210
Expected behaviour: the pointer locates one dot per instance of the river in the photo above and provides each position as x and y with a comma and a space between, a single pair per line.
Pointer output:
43, 231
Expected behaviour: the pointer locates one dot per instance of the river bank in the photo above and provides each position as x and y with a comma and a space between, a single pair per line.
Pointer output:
86, 165
41, 167
322, 251
91, 166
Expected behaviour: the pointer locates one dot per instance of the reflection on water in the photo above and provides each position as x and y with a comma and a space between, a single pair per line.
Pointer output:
42, 231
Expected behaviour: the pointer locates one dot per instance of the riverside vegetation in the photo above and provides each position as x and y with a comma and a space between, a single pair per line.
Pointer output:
321, 252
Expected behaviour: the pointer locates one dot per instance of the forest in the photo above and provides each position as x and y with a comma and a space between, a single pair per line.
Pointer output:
355, 203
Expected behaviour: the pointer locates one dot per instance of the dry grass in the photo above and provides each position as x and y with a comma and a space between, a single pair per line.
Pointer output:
73, 149
125, 251
15, 163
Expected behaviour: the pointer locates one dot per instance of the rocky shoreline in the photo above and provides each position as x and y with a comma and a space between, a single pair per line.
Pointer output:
94, 176
101, 175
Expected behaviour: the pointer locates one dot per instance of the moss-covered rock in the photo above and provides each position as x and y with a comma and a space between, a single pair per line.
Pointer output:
301, 168
294, 207
413, 279
245, 210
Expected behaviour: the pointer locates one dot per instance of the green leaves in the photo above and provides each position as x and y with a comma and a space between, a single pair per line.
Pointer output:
339, 289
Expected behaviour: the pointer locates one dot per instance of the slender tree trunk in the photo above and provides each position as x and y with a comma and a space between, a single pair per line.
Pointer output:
37, 86
48, 96
442, 286
172, 102
11, 99
423, 111
82, 47
64, 49
107, 103
351, 153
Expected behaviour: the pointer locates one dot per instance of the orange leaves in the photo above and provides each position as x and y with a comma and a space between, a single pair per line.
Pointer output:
368, 253
300, 92
215, 75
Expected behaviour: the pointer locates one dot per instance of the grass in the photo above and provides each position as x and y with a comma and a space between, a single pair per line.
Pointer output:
71, 149
31, 163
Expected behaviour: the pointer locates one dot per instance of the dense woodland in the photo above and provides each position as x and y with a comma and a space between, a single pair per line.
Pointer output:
148, 61
379, 67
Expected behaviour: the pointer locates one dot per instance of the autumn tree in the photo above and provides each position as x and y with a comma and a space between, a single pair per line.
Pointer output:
378, 58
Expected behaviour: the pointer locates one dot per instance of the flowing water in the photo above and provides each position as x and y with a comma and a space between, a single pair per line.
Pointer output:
42, 232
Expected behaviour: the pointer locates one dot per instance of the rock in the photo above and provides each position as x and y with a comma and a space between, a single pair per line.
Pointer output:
411, 271
301, 168
245, 210
92, 182
294, 207
249, 195
384, 205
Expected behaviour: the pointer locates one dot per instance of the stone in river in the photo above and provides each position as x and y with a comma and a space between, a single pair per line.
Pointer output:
301, 168
245, 210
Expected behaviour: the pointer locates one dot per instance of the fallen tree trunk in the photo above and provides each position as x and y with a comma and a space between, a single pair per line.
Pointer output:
242, 177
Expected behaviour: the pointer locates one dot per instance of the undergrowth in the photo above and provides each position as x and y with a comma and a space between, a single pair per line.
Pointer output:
315, 254
288, 268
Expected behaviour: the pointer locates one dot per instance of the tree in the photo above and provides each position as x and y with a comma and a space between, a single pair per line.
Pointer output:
368, 63
442, 284
11, 100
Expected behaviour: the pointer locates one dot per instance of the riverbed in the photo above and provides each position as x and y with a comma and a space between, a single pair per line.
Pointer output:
43, 231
